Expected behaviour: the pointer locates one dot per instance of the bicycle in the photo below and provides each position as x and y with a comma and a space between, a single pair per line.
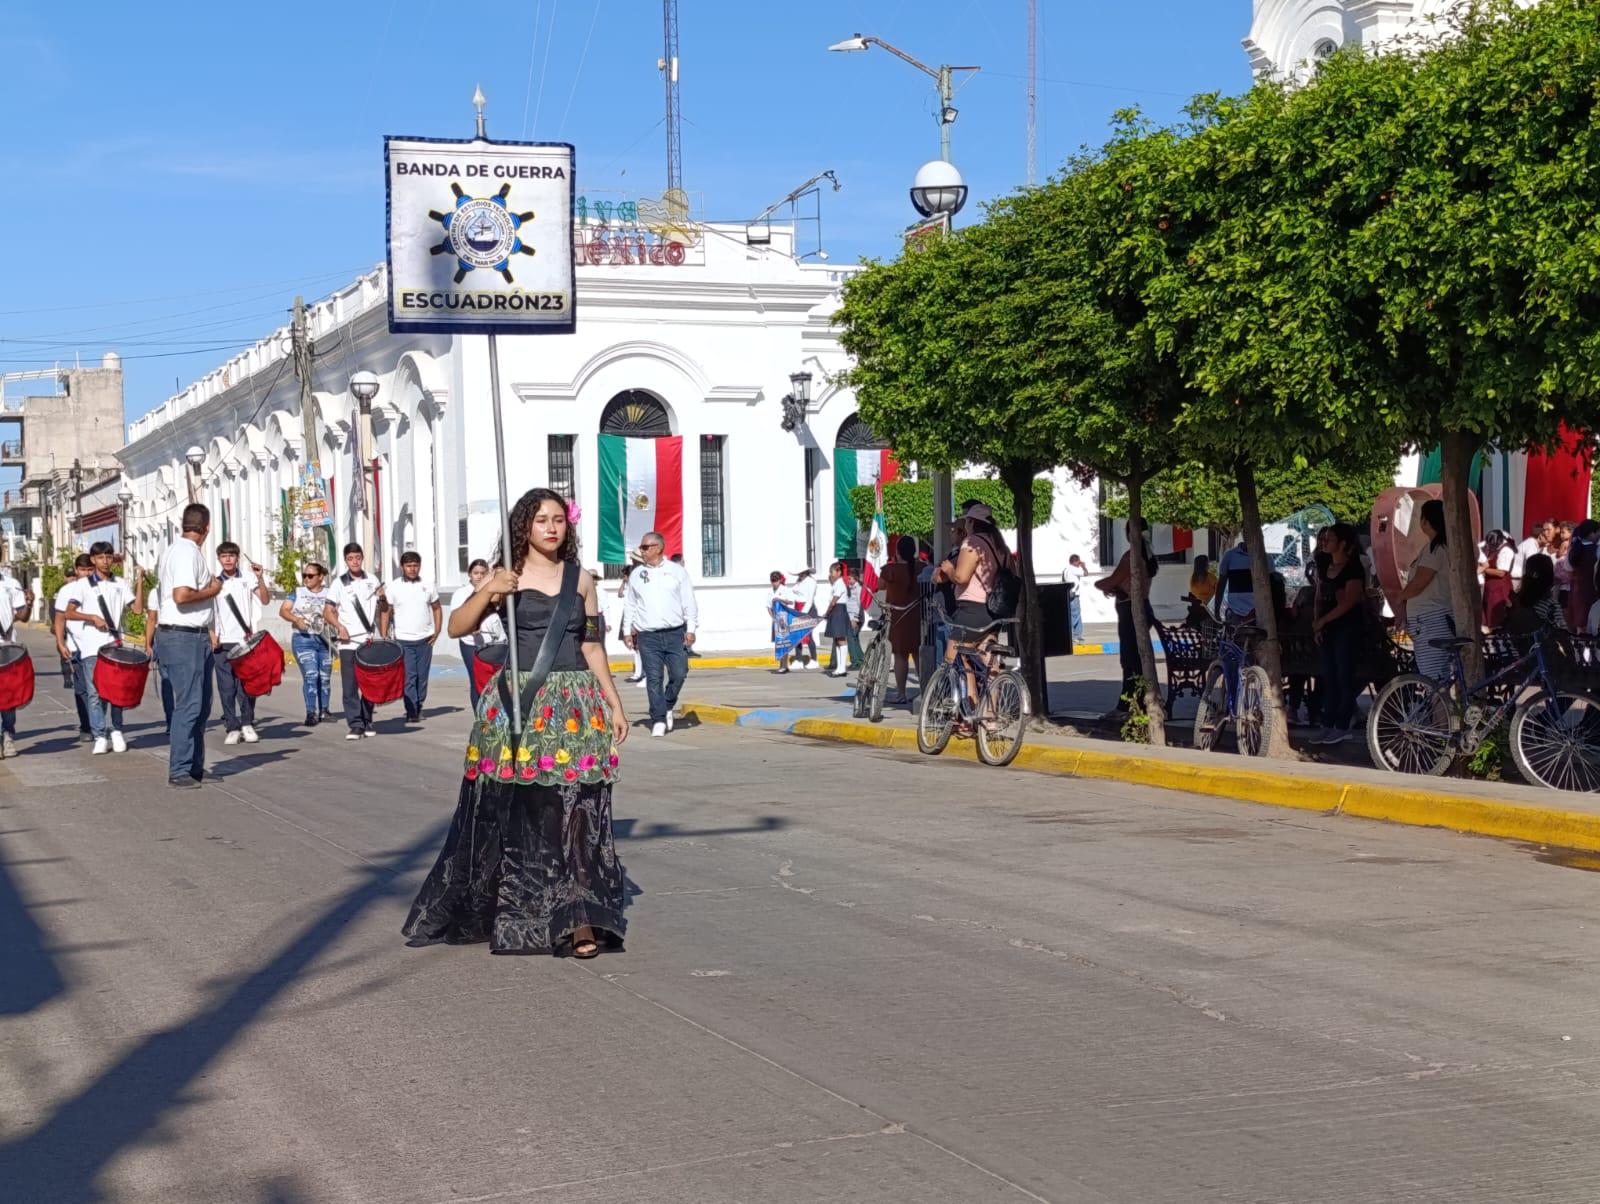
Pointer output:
1000, 712
1418, 725
877, 665
1235, 692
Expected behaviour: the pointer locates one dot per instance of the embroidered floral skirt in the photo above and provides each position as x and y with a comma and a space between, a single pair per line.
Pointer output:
529, 857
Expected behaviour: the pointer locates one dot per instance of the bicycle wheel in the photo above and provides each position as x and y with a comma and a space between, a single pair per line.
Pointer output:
1002, 718
1555, 741
1411, 727
1212, 712
1250, 724
863, 694
937, 718
877, 671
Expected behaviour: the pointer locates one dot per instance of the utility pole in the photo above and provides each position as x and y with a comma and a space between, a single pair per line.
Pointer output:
1033, 89
302, 372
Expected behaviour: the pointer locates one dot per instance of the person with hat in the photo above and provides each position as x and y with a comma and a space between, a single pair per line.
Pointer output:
358, 612
92, 610
238, 617
183, 646
16, 604
417, 619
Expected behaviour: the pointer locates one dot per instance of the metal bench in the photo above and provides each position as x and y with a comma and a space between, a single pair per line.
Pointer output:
1188, 652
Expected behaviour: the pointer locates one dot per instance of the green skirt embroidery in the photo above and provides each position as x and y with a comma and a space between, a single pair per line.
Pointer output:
566, 736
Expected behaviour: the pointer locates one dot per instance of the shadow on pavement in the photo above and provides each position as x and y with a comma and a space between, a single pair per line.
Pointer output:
31, 977
61, 1159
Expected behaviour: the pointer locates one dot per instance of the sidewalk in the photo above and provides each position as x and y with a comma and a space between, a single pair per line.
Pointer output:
1338, 781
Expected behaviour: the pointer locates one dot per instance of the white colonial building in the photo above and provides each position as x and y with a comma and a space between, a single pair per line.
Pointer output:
1287, 37
702, 348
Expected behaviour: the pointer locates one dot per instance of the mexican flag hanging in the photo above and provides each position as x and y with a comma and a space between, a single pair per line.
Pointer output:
852, 468
877, 554
641, 490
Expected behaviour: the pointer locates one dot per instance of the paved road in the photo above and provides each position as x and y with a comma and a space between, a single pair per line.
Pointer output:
851, 976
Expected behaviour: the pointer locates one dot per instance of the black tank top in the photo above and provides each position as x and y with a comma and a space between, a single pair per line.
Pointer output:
534, 611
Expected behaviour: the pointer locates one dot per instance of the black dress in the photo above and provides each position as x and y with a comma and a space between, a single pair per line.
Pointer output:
529, 857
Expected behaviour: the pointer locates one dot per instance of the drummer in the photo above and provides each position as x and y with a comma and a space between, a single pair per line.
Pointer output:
238, 612
183, 644
93, 613
16, 604
358, 612
70, 676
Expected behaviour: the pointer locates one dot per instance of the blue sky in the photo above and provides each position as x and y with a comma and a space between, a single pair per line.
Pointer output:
179, 171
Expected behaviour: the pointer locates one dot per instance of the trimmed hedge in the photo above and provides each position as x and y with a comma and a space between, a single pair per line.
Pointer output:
908, 505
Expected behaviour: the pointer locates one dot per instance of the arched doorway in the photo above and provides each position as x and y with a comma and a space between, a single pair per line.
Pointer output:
860, 458
641, 477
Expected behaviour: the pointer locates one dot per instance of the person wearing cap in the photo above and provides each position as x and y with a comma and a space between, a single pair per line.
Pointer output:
92, 609
238, 618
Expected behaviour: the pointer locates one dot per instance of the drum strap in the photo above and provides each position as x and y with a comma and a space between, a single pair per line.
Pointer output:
361, 614
553, 637
239, 618
105, 613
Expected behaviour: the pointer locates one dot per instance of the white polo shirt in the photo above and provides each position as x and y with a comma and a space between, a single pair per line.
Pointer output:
344, 593
183, 565
411, 604
241, 589
85, 638
12, 600
490, 631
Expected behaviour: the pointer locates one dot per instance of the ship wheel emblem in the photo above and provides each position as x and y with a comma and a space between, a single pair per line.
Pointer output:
481, 232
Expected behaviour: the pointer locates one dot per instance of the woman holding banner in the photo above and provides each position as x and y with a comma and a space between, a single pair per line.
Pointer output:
529, 864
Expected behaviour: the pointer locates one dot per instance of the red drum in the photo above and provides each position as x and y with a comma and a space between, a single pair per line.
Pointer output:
16, 677
119, 675
380, 671
489, 660
258, 664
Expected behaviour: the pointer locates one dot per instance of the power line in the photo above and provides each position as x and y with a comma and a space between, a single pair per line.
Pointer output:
544, 67
582, 59
533, 49
217, 292
154, 355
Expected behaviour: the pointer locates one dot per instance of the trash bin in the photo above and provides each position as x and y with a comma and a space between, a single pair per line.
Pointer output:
1055, 618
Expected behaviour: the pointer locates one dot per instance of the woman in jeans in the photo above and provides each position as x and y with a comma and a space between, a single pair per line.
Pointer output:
1341, 617
304, 610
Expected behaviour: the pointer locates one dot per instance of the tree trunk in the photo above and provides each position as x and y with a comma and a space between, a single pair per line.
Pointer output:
1270, 653
1139, 597
1455, 469
1019, 479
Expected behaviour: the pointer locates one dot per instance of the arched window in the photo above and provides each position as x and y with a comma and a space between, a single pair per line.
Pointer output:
636, 414
858, 436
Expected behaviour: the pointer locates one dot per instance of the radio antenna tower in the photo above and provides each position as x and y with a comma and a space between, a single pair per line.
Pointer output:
669, 72
1033, 88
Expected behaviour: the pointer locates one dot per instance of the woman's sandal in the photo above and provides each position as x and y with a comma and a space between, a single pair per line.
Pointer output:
585, 948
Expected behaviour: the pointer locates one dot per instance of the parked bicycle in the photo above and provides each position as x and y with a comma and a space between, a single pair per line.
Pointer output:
877, 666
981, 692
1234, 692
1418, 725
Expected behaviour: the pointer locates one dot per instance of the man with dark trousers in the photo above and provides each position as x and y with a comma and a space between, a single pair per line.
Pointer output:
358, 612
183, 646
416, 620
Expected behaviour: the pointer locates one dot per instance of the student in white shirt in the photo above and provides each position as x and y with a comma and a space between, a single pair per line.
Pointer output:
662, 617
183, 643
70, 675
15, 605
356, 610
238, 618
804, 591
93, 608
490, 631
416, 618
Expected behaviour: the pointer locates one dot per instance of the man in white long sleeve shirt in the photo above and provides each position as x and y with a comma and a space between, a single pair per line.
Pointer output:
662, 618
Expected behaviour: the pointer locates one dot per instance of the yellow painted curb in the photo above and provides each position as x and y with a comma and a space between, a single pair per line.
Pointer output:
711, 662
707, 712
1393, 804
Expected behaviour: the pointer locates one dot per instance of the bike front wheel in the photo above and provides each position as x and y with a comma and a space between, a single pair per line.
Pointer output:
937, 718
1002, 718
1411, 727
1212, 712
876, 673
1555, 741
1250, 724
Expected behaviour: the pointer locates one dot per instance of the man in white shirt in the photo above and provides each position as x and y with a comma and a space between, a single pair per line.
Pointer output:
1076, 574
662, 619
416, 618
183, 646
1539, 540
357, 612
238, 617
490, 631
92, 609
15, 605
71, 678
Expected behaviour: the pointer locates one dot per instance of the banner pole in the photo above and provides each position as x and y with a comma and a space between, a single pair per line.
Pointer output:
505, 534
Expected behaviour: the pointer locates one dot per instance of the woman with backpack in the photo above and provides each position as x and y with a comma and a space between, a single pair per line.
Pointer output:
1119, 585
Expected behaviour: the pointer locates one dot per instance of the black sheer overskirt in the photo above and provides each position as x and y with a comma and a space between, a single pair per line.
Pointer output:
523, 867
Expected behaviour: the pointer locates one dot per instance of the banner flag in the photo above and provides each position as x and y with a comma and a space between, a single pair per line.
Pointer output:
641, 490
480, 236
789, 631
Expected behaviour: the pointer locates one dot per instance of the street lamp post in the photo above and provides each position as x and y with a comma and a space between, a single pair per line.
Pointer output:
364, 387
795, 403
194, 457
943, 75
124, 500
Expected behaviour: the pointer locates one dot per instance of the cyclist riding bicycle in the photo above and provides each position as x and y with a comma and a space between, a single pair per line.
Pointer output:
973, 571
